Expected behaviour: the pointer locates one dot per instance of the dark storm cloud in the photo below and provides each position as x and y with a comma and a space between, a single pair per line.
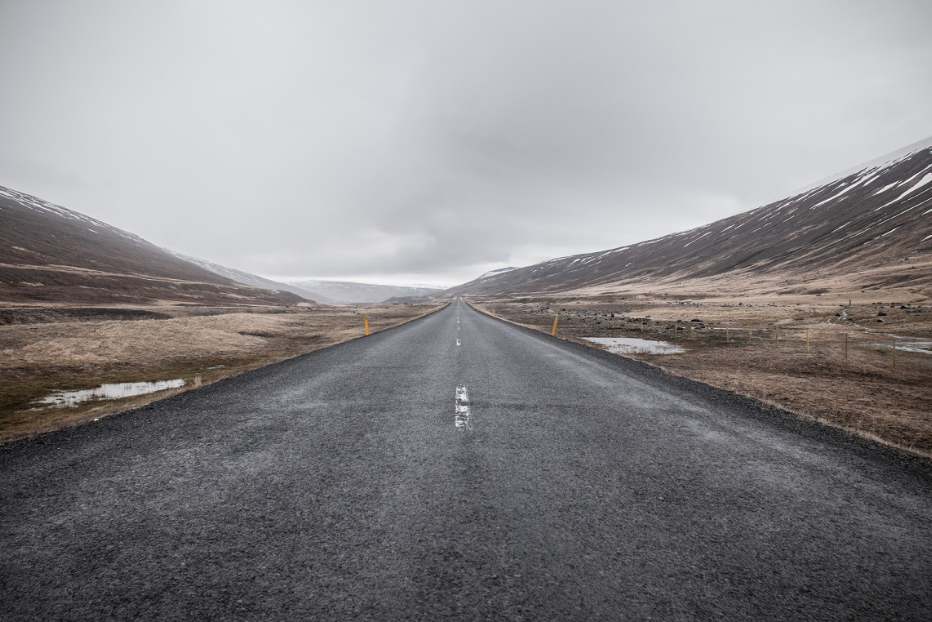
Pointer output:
435, 140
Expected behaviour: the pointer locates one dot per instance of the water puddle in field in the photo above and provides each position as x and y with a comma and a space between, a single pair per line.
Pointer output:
631, 345
918, 347
112, 391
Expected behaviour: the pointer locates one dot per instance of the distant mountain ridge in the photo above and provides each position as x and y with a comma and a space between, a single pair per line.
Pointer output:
873, 225
247, 278
349, 292
51, 254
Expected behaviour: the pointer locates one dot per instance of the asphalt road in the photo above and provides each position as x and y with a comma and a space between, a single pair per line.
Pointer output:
511, 477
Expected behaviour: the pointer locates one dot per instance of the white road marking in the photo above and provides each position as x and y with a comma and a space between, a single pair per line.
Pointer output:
461, 417
458, 342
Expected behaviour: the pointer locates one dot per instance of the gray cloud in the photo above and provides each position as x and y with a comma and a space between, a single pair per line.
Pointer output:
432, 141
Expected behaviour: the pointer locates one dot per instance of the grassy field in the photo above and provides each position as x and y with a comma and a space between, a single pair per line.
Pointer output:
788, 352
50, 349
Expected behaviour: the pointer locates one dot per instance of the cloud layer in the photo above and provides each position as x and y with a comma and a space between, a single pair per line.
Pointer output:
431, 141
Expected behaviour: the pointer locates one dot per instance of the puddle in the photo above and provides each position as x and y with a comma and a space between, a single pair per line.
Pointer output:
630, 345
918, 347
113, 391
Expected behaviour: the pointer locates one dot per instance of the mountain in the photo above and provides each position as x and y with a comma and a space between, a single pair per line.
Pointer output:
50, 254
251, 279
348, 292
498, 271
860, 231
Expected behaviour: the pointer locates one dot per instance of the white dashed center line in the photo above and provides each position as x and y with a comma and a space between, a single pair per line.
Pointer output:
458, 342
461, 417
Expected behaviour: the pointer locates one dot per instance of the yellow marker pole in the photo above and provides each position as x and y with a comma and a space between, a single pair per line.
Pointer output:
493, 312
366, 318
553, 333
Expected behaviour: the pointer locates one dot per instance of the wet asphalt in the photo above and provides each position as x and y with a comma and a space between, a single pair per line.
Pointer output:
580, 486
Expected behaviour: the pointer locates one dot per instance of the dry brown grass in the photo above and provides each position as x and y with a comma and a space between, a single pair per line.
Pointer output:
862, 393
61, 349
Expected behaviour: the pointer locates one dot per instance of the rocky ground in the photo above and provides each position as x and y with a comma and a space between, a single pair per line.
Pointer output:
51, 348
786, 352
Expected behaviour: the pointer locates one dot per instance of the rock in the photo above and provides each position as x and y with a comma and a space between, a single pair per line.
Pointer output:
881, 313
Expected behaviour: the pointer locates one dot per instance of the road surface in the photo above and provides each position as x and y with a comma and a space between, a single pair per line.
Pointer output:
460, 468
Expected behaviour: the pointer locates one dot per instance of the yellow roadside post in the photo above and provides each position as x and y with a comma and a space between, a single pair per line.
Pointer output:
366, 318
553, 333
493, 312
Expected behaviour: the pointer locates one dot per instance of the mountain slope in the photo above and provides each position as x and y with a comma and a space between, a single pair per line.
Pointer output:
253, 280
51, 254
869, 229
349, 292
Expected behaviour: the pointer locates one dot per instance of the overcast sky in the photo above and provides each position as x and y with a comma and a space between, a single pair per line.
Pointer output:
428, 142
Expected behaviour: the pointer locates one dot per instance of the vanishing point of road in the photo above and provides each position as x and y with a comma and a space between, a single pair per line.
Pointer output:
460, 468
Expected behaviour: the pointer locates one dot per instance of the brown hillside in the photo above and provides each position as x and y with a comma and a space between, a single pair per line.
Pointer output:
866, 231
50, 254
